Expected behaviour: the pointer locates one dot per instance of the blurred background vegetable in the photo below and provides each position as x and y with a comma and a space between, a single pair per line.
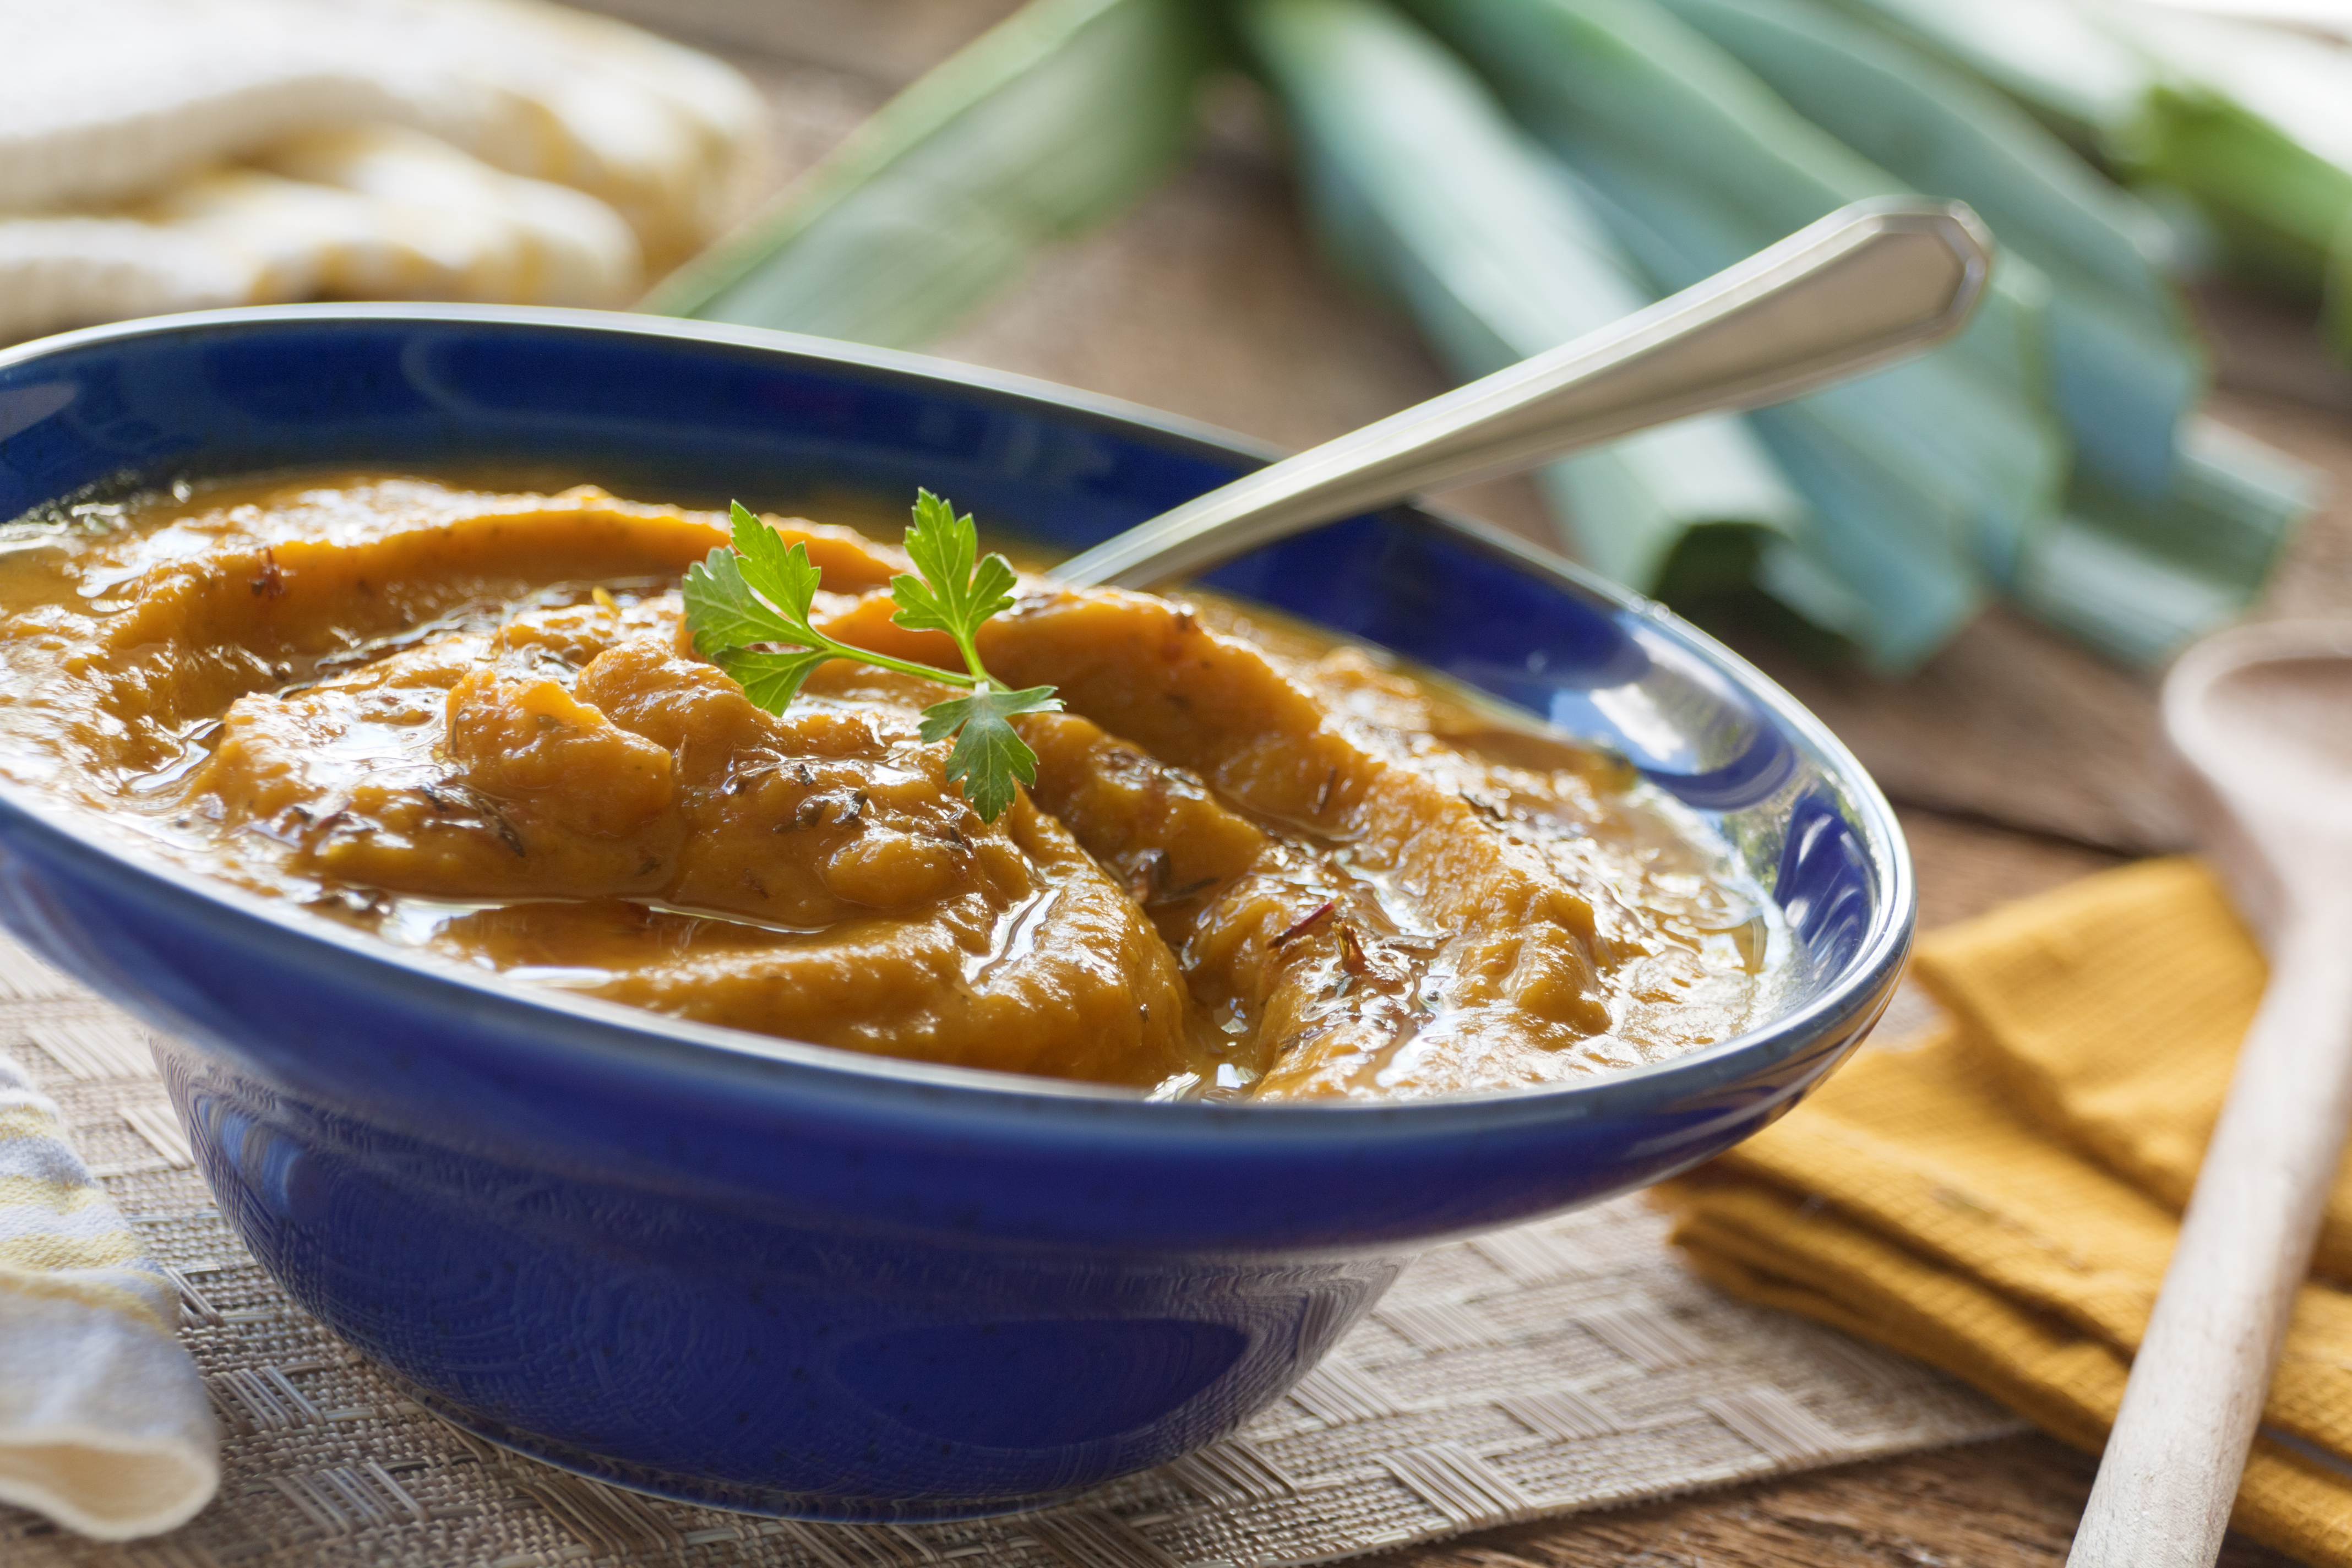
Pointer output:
1425, 190
1507, 173
1928, 481
1049, 124
1512, 173
2244, 128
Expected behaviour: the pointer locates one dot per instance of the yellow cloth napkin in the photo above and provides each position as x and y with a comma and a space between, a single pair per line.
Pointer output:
2001, 1197
104, 1422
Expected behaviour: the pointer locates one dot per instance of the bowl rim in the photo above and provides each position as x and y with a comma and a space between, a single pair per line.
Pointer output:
727, 1061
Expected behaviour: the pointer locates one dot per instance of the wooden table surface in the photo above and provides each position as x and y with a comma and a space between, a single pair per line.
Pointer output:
2018, 759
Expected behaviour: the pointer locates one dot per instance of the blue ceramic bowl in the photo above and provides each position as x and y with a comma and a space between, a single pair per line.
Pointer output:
780, 1277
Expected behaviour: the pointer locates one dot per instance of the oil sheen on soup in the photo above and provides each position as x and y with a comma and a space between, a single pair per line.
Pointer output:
1257, 863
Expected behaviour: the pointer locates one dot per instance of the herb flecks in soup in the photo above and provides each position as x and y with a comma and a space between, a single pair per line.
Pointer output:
1254, 862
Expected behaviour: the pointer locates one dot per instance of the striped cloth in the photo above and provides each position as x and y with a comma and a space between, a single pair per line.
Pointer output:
2001, 1197
104, 1426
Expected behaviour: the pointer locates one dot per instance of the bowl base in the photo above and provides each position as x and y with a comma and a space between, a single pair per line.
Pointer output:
734, 1497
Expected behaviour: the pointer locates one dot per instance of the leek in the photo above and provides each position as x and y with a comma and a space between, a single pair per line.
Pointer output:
2139, 575
1423, 187
2064, 66
1045, 126
2338, 298
2247, 121
2277, 207
1929, 481
2275, 174
2139, 581
2125, 369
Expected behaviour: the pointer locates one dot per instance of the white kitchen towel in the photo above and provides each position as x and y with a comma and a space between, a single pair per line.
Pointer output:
104, 1426
177, 155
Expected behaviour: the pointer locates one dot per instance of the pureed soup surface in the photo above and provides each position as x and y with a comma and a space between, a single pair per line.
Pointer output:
1256, 863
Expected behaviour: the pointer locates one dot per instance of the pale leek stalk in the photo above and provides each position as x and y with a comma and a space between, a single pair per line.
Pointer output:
2135, 574
2249, 122
2138, 580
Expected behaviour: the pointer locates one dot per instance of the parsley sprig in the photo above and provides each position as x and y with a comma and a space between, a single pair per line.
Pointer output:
748, 608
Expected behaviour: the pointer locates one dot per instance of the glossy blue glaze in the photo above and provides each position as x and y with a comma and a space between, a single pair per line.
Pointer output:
780, 1277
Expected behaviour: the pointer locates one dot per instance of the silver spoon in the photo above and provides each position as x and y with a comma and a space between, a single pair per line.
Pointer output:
1865, 286
2263, 715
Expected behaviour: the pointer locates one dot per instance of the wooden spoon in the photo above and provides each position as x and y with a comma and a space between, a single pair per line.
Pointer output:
2264, 717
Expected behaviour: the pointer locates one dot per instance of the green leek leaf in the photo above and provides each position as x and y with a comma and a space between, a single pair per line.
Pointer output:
2125, 367
2066, 68
2245, 120
2252, 121
2140, 580
1047, 124
1931, 481
2277, 207
2336, 303
1424, 186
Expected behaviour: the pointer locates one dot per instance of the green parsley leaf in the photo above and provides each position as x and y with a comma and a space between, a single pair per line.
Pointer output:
953, 595
784, 575
758, 592
772, 678
988, 754
748, 608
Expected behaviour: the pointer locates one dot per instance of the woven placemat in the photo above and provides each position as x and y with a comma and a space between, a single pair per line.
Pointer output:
1564, 1365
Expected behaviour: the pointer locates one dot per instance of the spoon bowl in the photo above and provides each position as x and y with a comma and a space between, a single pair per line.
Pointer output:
2262, 715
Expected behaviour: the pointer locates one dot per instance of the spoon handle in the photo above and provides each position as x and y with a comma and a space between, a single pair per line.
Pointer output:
1868, 285
2172, 1464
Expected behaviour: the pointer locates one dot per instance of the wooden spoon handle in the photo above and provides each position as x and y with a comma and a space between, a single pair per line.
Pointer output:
2197, 1388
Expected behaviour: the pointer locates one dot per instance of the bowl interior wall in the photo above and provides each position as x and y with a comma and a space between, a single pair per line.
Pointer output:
704, 420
